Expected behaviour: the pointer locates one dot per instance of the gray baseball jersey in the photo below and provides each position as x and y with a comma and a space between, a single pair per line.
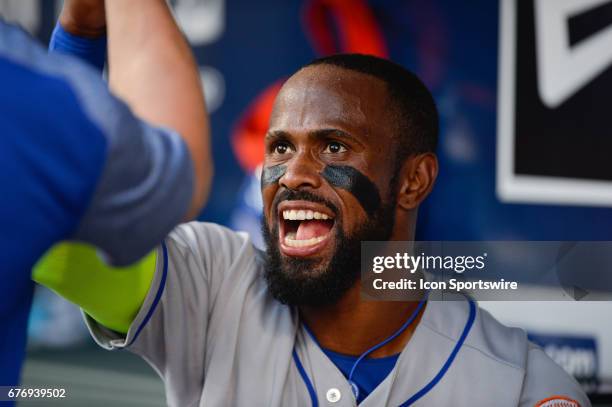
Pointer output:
216, 336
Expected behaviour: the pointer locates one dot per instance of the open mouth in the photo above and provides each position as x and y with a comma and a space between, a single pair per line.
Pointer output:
305, 227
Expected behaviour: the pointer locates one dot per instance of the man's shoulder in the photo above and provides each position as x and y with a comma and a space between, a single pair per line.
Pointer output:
508, 345
487, 337
547, 384
511, 351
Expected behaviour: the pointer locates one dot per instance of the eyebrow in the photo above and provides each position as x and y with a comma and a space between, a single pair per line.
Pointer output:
319, 133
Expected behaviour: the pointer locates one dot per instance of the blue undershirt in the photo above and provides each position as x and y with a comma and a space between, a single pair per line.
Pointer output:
369, 373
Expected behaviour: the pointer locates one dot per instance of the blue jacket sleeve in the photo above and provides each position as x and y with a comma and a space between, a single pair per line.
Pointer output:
92, 51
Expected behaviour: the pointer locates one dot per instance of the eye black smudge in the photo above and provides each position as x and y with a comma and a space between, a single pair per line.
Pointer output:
345, 177
271, 175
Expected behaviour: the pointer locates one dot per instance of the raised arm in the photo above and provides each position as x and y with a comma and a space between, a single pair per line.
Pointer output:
152, 68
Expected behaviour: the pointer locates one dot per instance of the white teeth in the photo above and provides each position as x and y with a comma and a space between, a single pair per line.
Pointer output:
291, 241
303, 215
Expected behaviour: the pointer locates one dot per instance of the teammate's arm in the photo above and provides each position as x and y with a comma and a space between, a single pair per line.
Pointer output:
153, 69
110, 295
113, 296
155, 73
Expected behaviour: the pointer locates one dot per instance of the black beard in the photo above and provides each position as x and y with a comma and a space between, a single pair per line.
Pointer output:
300, 282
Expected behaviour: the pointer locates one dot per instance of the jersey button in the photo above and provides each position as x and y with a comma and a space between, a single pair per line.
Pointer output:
333, 395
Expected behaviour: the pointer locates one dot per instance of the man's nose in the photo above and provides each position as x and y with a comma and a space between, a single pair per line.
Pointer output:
302, 172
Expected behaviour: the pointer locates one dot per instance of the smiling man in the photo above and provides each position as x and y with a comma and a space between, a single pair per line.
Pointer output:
349, 157
344, 162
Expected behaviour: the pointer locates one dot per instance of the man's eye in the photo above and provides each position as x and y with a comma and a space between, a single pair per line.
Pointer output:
281, 149
334, 148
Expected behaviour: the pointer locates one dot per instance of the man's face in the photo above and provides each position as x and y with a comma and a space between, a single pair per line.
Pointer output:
327, 181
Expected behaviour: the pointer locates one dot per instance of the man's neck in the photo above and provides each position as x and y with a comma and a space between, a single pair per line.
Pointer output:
351, 326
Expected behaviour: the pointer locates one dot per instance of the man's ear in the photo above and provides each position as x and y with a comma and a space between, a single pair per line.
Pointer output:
417, 178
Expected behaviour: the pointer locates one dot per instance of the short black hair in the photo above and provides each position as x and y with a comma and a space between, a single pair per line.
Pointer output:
414, 106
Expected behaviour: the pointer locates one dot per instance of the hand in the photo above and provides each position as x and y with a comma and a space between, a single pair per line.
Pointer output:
84, 18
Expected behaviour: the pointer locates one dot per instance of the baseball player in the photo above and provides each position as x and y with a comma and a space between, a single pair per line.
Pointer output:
349, 156
67, 157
